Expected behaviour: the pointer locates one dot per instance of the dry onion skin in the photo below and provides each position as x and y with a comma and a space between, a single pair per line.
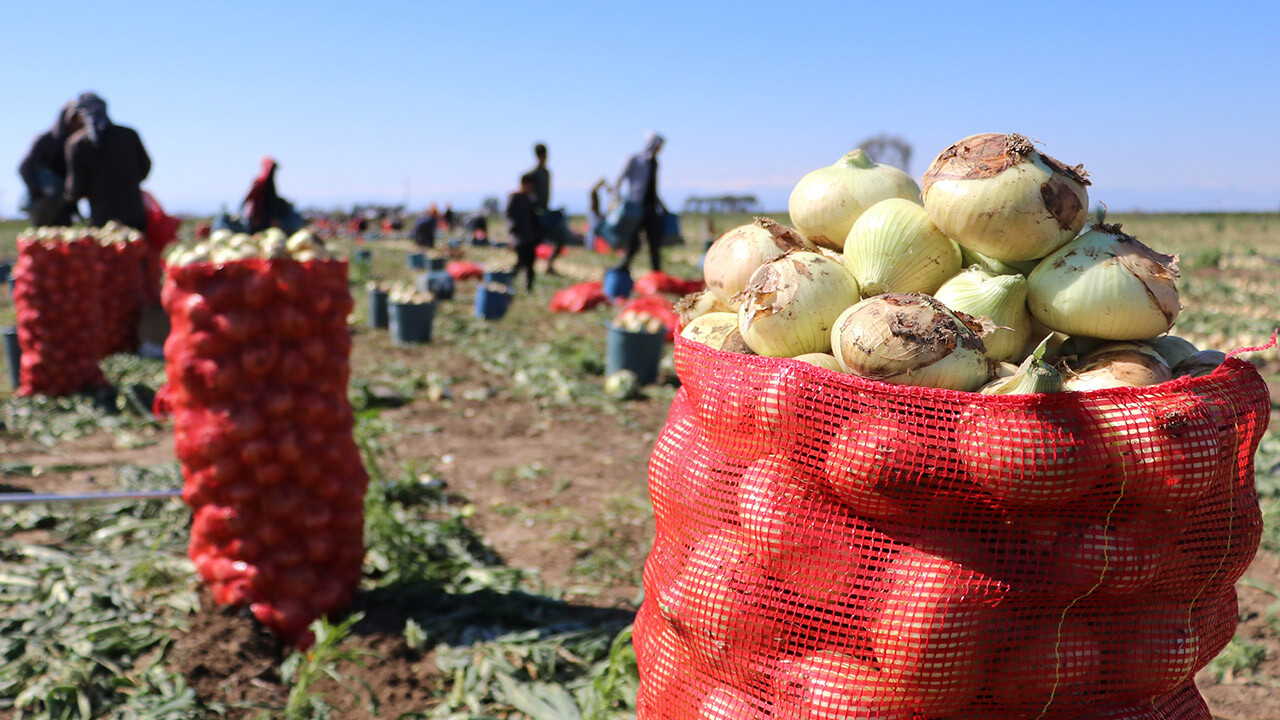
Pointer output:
911, 339
997, 195
1000, 298
711, 329
826, 202
1105, 284
790, 304
735, 255
895, 247
695, 305
1119, 365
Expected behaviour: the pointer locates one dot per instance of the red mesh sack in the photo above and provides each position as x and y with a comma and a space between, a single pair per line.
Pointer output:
656, 306
57, 301
659, 282
123, 284
162, 228
579, 298
462, 270
257, 363
833, 547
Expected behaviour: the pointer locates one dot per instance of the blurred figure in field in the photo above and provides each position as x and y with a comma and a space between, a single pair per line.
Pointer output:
595, 215
263, 207
425, 227
640, 175
449, 217
44, 171
522, 222
106, 163
541, 179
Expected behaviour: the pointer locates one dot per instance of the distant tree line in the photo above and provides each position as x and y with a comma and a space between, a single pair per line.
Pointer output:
721, 204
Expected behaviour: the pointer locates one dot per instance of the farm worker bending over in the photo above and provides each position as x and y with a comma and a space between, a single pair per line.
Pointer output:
44, 171
106, 163
522, 221
263, 207
641, 178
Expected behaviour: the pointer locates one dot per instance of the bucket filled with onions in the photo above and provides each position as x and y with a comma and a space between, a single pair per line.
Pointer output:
936, 455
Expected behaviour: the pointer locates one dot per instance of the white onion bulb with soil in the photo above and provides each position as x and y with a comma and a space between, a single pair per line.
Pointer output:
895, 247
735, 255
997, 195
1002, 299
790, 304
910, 339
1105, 284
1118, 365
826, 202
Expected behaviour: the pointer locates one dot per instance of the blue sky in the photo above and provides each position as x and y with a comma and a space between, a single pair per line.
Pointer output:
1168, 105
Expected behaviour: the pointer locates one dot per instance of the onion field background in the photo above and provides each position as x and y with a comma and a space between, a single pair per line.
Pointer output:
507, 521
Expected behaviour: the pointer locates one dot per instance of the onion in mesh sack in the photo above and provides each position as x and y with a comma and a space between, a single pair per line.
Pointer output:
1000, 298
895, 247
735, 255
1118, 365
826, 202
1105, 284
910, 339
995, 194
790, 304
711, 329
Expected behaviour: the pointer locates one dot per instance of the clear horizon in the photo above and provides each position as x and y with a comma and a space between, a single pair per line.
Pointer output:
1169, 110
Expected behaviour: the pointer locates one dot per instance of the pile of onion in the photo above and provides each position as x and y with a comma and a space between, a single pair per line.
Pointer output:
951, 288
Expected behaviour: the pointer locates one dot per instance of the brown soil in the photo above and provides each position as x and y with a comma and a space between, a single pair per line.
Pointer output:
228, 658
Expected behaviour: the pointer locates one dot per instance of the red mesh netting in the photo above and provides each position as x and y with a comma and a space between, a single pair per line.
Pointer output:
832, 547
258, 367
124, 288
56, 291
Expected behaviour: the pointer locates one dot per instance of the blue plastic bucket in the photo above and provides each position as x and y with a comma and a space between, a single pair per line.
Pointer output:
491, 303
364, 257
416, 260
378, 309
639, 352
501, 277
436, 282
5, 270
435, 264
617, 283
12, 354
411, 323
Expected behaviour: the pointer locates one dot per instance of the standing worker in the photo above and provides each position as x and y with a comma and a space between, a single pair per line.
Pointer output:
106, 163
548, 220
44, 171
641, 177
522, 222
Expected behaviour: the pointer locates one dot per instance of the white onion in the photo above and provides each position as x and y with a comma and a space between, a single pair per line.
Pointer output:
1002, 299
823, 360
995, 194
910, 339
895, 247
789, 305
826, 202
1173, 349
735, 255
711, 329
1106, 284
1119, 365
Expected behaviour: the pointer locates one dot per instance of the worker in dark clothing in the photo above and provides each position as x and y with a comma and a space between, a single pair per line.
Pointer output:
541, 179
522, 222
424, 231
641, 178
44, 171
106, 163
